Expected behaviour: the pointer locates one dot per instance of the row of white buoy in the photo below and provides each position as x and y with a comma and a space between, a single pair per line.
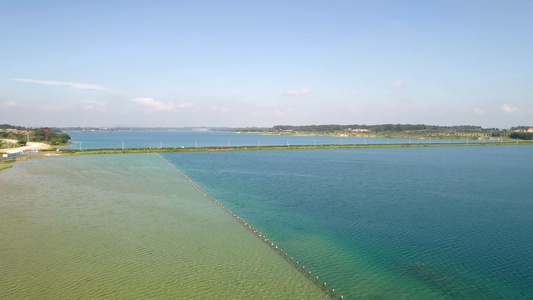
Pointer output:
276, 248
256, 232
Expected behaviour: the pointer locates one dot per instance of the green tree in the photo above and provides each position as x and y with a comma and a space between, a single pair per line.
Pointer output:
521, 135
63, 138
39, 135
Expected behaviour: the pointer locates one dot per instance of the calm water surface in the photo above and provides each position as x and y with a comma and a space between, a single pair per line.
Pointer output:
389, 223
156, 139
128, 227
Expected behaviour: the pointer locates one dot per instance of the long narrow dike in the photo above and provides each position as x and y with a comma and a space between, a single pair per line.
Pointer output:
279, 147
302, 269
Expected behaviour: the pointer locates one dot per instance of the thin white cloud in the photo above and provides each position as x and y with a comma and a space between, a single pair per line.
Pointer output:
50, 108
479, 111
220, 109
283, 113
97, 105
398, 83
298, 92
9, 104
97, 102
509, 109
39, 107
74, 85
185, 105
153, 105
94, 104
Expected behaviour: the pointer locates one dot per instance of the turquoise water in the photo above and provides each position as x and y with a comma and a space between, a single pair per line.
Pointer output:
156, 139
388, 223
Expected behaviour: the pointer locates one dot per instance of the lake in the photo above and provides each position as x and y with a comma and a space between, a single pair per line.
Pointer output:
374, 223
156, 139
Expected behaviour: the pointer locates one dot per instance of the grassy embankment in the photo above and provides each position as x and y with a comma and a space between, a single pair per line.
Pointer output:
6, 163
291, 147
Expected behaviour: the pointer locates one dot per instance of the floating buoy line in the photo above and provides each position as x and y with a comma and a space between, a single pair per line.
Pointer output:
305, 272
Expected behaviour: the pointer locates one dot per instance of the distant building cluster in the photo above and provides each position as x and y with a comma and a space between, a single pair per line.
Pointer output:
358, 130
525, 130
10, 130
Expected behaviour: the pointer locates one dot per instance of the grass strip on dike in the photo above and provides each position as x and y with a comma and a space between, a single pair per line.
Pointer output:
5, 164
277, 147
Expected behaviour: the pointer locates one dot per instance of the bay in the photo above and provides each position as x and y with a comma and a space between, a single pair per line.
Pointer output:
156, 139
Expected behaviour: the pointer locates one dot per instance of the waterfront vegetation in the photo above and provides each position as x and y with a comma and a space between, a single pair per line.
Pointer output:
51, 136
9, 144
418, 131
521, 135
6, 164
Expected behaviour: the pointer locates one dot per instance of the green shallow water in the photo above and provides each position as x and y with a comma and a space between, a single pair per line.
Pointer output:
128, 226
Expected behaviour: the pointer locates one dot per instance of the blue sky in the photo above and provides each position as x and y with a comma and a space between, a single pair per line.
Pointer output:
265, 63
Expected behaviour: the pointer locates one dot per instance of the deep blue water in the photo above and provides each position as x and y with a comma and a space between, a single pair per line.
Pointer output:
388, 223
156, 139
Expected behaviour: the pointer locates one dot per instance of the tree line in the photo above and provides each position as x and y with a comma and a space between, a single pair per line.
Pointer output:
377, 128
522, 135
394, 130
